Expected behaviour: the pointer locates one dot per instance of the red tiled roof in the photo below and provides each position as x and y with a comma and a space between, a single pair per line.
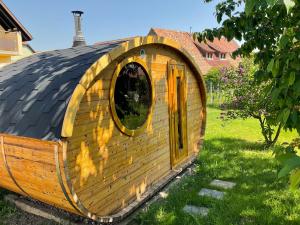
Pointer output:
203, 47
219, 63
185, 39
195, 48
223, 45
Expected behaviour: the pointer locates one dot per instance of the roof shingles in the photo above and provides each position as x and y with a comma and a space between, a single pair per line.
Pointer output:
35, 91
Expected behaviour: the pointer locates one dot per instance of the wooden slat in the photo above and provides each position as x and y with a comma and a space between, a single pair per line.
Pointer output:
125, 198
96, 149
32, 167
95, 135
121, 172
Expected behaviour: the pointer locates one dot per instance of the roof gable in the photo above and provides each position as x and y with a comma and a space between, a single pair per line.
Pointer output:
9, 22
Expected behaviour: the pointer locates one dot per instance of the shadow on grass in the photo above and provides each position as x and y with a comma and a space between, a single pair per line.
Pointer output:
233, 144
5, 208
2, 193
214, 106
258, 198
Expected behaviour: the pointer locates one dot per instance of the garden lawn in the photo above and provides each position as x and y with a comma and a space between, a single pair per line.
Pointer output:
232, 151
6, 210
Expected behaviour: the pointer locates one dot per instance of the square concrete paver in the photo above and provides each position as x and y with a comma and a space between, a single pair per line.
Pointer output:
222, 184
200, 211
211, 193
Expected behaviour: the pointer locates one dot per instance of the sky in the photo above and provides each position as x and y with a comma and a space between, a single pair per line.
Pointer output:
52, 27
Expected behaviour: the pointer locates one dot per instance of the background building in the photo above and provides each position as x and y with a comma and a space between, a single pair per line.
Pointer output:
14, 38
216, 54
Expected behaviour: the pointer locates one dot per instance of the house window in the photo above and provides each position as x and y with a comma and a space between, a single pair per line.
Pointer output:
209, 55
131, 97
222, 56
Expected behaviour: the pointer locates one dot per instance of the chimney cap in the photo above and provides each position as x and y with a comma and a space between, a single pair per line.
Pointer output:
76, 12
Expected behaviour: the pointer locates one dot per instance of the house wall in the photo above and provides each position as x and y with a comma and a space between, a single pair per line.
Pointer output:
25, 52
108, 169
12, 48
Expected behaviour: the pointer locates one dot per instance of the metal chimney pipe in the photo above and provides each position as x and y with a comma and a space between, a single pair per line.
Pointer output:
78, 38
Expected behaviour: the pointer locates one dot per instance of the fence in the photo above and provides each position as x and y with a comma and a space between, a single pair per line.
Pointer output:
215, 96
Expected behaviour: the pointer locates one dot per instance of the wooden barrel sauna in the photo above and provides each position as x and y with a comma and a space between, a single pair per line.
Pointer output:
97, 130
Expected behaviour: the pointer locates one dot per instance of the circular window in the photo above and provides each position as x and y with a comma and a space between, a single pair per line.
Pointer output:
131, 96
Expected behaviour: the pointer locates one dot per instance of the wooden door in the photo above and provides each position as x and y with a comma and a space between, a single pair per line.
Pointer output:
177, 112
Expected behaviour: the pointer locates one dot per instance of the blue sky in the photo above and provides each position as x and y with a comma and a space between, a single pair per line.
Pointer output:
51, 22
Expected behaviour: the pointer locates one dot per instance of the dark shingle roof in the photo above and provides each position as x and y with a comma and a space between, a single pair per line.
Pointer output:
35, 91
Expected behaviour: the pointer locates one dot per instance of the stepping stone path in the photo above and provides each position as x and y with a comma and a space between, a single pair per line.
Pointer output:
199, 211
203, 211
211, 193
222, 184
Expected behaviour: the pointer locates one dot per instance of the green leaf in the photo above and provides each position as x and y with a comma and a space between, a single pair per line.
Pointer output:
285, 115
294, 116
297, 35
289, 4
292, 78
249, 6
272, 2
284, 157
275, 68
295, 64
295, 179
296, 87
290, 165
275, 93
283, 41
270, 65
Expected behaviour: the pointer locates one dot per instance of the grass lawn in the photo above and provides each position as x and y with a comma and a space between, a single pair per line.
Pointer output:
232, 151
5, 209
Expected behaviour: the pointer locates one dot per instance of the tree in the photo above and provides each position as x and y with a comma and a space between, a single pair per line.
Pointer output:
272, 29
247, 98
213, 76
212, 80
